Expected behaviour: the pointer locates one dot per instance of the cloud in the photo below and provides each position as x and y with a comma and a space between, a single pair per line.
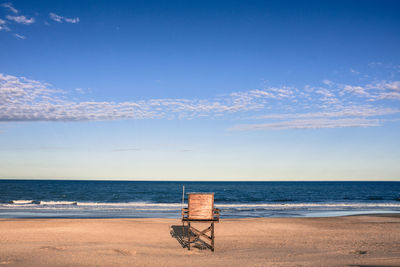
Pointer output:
80, 91
390, 95
355, 111
356, 90
395, 86
125, 149
309, 124
3, 26
23, 99
72, 20
15, 18
10, 7
19, 36
21, 19
327, 82
325, 92
60, 19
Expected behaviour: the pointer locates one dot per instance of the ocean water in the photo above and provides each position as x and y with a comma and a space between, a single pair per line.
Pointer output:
134, 199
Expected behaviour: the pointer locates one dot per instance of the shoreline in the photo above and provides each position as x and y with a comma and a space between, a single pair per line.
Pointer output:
314, 214
372, 239
345, 214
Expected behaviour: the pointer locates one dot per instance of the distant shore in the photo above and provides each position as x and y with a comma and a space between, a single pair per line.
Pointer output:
334, 241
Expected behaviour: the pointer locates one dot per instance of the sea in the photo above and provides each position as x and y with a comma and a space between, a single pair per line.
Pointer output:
156, 199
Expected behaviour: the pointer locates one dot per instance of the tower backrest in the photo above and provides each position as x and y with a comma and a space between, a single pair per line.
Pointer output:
201, 206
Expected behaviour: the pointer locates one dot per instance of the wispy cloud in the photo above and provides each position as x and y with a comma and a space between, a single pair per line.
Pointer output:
331, 105
3, 26
72, 20
23, 99
309, 124
56, 17
21, 19
354, 111
15, 16
125, 149
61, 19
354, 71
19, 36
10, 7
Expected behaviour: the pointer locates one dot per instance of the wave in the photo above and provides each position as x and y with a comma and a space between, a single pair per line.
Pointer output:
133, 204
305, 205
20, 202
136, 205
58, 202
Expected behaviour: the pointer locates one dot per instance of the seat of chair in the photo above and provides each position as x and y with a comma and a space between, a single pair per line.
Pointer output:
200, 220
215, 216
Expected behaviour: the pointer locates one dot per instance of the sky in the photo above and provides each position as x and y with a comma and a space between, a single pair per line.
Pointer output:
200, 90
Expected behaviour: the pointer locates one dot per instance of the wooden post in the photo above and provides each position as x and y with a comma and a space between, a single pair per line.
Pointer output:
212, 236
183, 202
188, 235
183, 231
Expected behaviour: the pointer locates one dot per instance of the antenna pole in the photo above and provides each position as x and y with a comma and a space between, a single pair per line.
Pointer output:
183, 195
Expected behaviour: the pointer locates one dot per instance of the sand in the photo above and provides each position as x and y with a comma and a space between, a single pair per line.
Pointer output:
337, 241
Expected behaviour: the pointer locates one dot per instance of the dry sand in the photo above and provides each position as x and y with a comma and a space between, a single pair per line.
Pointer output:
336, 241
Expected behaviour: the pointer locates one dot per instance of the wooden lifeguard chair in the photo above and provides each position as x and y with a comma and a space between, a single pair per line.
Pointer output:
200, 209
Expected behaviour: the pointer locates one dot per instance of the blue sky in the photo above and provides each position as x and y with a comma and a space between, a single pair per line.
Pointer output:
200, 90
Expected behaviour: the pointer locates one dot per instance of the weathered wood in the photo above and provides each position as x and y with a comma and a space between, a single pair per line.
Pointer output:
201, 206
200, 209
202, 233
212, 236
189, 235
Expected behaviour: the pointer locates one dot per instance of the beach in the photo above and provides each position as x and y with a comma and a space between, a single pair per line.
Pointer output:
368, 240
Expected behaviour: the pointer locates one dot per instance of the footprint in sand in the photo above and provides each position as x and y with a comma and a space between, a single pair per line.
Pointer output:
358, 252
124, 252
52, 248
7, 261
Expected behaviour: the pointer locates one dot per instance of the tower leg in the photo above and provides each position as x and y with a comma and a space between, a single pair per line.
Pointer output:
212, 236
188, 235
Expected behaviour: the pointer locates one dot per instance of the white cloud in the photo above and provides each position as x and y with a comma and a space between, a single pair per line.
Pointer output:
19, 36
60, 19
309, 124
56, 17
3, 26
125, 149
21, 19
72, 20
389, 95
357, 90
10, 7
80, 91
324, 92
393, 86
22, 99
354, 111
327, 82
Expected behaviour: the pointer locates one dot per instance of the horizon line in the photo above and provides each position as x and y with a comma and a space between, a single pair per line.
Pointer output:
190, 180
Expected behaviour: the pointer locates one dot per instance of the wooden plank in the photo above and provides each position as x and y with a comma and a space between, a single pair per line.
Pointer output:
201, 206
